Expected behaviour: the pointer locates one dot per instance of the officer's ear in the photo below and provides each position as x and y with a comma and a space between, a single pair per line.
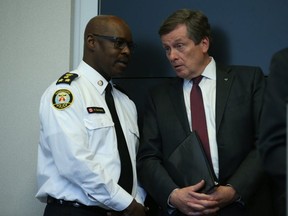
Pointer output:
91, 42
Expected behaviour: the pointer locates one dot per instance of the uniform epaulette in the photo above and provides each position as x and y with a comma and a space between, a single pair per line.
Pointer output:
67, 78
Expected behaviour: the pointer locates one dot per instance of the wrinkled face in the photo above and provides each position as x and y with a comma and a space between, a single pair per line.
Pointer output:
188, 59
113, 54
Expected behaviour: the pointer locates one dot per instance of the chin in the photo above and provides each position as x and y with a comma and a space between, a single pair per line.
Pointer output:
117, 73
182, 74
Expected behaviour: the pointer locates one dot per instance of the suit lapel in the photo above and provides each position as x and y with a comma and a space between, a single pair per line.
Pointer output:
223, 85
177, 98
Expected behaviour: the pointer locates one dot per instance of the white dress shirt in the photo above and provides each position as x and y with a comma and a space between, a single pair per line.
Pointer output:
208, 88
78, 159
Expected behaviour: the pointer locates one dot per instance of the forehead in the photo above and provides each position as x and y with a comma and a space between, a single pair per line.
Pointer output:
178, 34
119, 29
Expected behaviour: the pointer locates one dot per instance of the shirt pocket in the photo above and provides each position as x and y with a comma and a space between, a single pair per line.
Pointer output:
101, 136
98, 122
134, 130
133, 137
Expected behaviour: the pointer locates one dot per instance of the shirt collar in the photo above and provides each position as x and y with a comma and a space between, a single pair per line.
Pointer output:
209, 72
93, 76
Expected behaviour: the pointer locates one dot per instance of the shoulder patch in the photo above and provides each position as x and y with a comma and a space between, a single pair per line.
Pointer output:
67, 78
62, 99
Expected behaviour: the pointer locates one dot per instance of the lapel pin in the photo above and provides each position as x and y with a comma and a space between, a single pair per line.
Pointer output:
225, 79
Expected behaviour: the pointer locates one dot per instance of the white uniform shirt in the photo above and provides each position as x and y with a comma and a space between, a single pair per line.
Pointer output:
78, 158
208, 89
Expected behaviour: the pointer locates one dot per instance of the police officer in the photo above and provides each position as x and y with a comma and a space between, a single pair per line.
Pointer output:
79, 163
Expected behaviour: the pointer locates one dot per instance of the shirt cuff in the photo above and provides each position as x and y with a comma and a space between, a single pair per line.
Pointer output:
171, 208
238, 198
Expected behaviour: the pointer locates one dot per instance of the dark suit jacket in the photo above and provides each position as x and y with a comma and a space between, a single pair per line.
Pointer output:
272, 142
239, 95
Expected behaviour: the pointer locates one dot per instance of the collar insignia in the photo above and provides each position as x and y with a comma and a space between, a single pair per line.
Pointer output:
100, 83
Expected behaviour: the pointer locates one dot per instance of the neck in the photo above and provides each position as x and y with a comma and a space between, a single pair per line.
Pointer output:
105, 75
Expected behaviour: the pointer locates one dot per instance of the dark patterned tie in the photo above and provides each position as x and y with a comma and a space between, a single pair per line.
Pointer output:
198, 115
126, 176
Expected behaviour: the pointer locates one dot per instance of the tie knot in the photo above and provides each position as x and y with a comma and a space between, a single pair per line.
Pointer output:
197, 80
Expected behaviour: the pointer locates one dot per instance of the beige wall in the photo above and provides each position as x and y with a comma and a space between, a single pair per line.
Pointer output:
34, 51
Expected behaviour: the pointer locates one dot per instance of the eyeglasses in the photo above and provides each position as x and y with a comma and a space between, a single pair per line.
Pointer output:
119, 43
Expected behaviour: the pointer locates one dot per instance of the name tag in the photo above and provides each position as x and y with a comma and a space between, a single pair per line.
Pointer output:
95, 110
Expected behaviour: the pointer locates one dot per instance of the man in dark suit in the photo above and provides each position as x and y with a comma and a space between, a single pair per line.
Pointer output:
272, 141
232, 98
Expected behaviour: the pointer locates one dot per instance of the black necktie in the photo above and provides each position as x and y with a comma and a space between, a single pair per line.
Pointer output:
126, 176
198, 115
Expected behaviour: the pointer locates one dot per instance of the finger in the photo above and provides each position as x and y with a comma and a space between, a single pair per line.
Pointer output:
195, 207
195, 213
200, 205
200, 196
211, 211
198, 186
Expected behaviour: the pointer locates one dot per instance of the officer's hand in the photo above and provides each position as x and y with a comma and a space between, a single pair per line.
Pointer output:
135, 209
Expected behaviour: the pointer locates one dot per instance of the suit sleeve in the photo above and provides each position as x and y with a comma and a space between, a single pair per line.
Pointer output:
151, 172
248, 176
